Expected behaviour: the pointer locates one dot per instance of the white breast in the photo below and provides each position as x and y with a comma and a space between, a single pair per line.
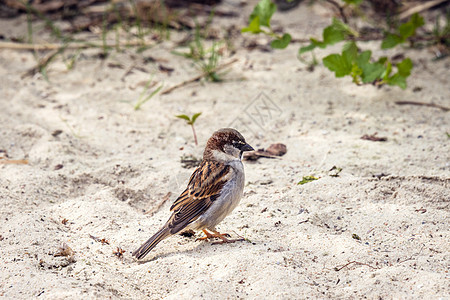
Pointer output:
227, 201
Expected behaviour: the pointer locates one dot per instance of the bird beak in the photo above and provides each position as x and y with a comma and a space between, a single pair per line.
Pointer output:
247, 147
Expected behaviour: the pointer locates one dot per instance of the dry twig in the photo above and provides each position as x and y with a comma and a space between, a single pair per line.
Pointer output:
374, 138
103, 241
337, 269
422, 104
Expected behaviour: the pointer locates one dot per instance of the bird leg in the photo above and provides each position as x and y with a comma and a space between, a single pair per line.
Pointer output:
208, 236
221, 236
213, 235
225, 240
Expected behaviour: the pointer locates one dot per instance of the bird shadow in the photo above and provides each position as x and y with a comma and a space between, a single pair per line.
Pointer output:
194, 251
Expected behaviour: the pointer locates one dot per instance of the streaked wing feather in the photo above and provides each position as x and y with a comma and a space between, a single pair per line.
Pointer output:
204, 187
208, 179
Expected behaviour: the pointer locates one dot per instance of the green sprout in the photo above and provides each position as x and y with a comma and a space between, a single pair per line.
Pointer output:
206, 59
144, 96
191, 121
307, 179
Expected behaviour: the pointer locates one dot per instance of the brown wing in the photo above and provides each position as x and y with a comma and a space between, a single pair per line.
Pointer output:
203, 188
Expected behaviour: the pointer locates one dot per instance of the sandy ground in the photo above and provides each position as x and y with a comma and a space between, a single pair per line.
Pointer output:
378, 230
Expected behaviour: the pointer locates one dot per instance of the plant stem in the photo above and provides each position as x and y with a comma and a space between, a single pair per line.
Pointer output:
195, 135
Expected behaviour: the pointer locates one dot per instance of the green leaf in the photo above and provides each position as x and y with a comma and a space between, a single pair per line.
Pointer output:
281, 43
364, 57
337, 64
305, 49
371, 72
382, 60
417, 20
356, 73
349, 45
317, 43
264, 10
404, 70
398, 80
184, 117
387, 71
349, 55
406, 30
391, 40
195, 116
332, 35
354, 2
350, 52
404, 67
253, 27
344, 28
307, 179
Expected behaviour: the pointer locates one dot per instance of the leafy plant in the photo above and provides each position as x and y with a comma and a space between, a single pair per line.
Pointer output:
358, 66
404, 31
206, 59
209, 65
352, 61
191, 121
260, 17
336, 32
67, 41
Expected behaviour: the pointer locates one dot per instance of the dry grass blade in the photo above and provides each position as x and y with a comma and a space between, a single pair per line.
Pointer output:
197, 78
337, 269
43, 62
14, 161
419, 8
59, 46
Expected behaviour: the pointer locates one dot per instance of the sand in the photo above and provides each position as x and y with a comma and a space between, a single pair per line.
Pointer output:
96, 168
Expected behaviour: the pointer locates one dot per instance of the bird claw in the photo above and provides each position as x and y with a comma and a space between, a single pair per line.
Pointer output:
215, 235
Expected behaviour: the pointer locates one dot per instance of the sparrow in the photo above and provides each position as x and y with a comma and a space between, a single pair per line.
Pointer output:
214, 190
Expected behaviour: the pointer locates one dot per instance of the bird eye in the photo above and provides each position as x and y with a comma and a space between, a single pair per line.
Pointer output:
238, 144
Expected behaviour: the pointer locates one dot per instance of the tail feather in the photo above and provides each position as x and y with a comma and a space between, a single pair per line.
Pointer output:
151, 243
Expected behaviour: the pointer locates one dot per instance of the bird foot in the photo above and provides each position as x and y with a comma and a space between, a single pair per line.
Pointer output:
222, 236
214, 235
